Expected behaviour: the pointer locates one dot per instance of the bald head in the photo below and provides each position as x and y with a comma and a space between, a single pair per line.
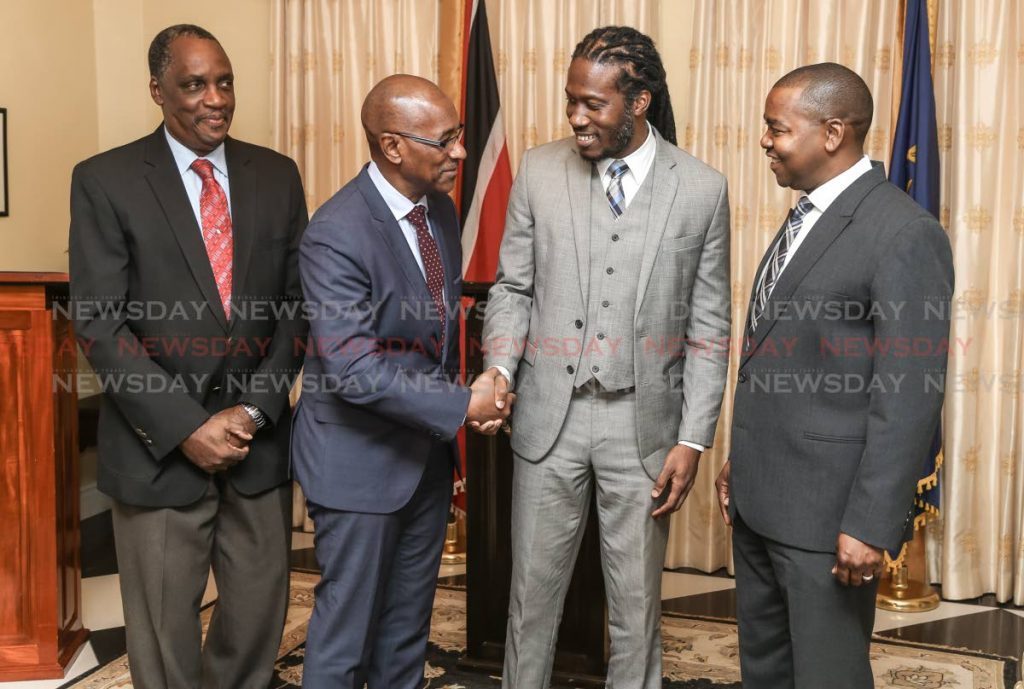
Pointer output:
413, 131
403, 103
830, 90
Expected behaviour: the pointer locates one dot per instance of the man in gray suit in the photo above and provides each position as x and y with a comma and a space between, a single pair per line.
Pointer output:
838, 394
609, 314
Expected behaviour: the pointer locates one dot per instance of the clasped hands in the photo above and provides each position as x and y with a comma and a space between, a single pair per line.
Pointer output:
222, 441
490, 403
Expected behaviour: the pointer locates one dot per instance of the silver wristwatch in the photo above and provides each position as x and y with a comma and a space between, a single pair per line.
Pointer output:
258, 417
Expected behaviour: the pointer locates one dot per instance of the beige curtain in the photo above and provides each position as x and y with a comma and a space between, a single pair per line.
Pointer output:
979, 81
326, 55
738, 50
533, 41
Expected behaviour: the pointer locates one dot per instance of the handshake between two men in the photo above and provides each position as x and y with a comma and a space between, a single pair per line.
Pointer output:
490, 404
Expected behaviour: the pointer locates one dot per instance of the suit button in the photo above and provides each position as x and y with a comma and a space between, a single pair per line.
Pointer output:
610, 270
600, 336
147, 441
605, 303
742, 378
215, 388
595, 369
615, 237
579, 323
570, 369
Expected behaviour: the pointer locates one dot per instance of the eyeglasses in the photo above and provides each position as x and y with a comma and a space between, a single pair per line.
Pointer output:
445, 144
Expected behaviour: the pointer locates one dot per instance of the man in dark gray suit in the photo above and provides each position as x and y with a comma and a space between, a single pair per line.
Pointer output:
609, 311
829, 437
194, 423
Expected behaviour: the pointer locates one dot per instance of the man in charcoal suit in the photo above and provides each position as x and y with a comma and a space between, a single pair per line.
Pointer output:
374, 444
185, 287
834, 410
610, 314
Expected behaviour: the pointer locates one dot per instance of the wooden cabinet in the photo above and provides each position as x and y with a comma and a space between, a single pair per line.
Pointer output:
40, 566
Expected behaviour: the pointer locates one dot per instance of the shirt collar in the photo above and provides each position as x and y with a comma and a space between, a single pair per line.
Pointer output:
398, 203
639, 161
825, 194
184, 156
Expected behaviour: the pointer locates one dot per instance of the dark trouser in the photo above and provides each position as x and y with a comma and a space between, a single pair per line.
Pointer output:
371, 618
799, 627
164, 558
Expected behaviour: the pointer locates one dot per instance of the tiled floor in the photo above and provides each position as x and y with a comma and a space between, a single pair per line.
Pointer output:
979, 627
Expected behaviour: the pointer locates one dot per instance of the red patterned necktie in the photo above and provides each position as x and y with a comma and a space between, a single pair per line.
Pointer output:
213, 209
431, 261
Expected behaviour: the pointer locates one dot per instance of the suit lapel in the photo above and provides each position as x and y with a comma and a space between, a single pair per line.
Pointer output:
578, 173
666, 184
244, 194
388, 228
825, 232
165, 181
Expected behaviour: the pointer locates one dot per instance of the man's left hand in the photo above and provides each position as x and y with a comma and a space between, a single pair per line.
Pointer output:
856, 562
677, 475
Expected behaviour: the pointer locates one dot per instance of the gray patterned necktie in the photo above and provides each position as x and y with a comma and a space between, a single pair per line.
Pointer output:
777, 260
616, 197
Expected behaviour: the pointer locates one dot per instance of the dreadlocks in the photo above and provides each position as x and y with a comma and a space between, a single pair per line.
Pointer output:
641, 70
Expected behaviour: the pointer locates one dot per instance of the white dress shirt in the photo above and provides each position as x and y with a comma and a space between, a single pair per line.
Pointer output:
183, 159
639, 163
821, 198
400, 206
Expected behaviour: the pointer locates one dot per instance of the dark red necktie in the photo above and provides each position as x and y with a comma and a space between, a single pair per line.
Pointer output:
431, 261
213, 209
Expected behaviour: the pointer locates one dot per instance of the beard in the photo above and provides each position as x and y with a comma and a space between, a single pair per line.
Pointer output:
621, 135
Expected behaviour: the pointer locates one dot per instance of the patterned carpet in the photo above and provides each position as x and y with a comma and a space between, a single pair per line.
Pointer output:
699, 654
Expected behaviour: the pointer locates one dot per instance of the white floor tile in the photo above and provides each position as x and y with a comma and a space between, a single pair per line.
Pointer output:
451, 570
885, 620
1018, 613
678, 584
101, 603
85, 661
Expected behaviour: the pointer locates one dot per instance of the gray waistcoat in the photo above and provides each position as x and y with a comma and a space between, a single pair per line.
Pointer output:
616, 246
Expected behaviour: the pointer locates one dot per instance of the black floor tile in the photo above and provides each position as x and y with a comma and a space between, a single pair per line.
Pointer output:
108, 644
304, 560
717, 604
993, 631
98, 555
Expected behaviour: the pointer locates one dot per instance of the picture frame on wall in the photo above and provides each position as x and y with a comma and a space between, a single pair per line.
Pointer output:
4, 203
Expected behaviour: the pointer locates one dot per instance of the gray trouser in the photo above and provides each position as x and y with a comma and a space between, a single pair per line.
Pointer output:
799, 627
595, 450
164, 557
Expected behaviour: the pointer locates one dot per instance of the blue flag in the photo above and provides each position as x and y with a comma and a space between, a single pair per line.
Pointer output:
915, 169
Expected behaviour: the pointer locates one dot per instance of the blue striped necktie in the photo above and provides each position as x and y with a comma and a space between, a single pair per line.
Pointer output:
777, 260
616, 197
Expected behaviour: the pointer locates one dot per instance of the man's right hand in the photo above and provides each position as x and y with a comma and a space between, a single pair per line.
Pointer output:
722, 488
490, 403
218, 444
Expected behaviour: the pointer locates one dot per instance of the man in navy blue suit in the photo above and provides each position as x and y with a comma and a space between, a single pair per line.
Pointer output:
373, 443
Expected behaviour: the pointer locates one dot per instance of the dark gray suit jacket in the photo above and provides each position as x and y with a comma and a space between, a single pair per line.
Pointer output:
150, 320
840, 388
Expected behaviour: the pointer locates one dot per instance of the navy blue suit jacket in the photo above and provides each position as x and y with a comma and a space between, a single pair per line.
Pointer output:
380, 384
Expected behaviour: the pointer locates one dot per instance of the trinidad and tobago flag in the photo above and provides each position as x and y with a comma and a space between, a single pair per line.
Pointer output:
486, 177
486, 174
